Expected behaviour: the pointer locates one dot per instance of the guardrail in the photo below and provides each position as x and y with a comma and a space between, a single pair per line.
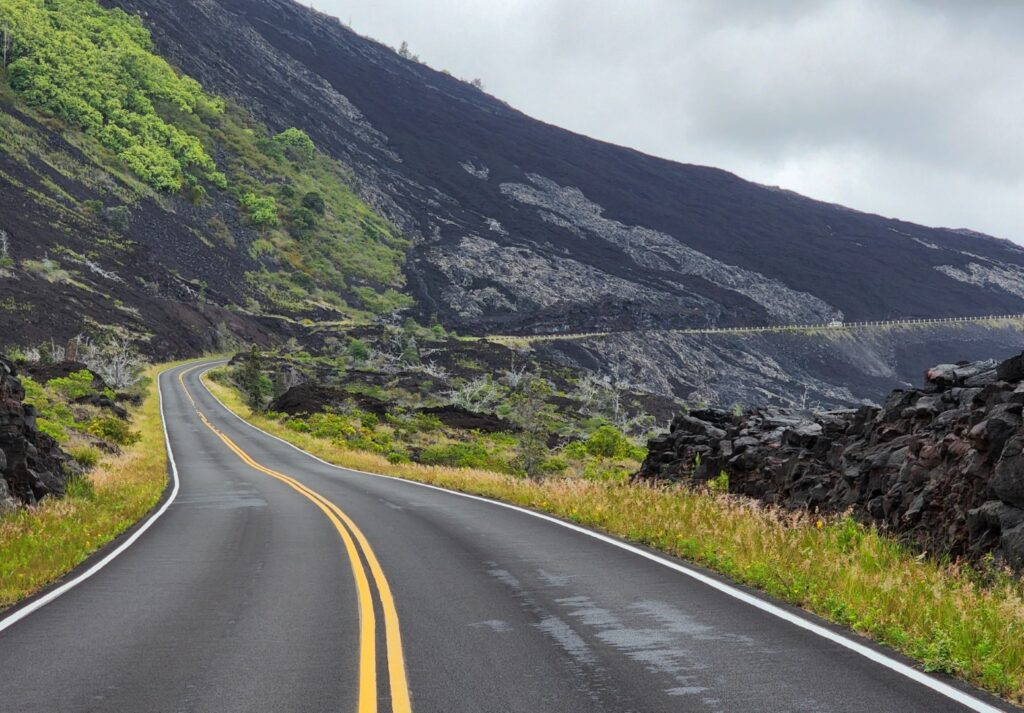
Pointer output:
534, 338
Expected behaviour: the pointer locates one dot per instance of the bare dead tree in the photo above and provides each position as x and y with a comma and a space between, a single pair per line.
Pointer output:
481, 395
117, 361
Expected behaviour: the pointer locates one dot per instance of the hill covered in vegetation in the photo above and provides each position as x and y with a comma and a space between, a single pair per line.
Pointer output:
147, 204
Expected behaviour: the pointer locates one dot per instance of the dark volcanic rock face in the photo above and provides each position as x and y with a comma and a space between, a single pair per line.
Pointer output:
310, 398
32, 465
943, 466
521, 226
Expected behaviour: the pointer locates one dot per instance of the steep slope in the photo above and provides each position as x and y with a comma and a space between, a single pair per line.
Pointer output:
521, 226
135, 201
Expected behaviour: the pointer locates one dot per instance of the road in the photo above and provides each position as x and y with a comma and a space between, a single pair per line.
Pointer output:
274, 582
529, 339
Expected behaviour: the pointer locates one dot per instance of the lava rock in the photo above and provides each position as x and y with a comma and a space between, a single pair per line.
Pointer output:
941, 467
33, 466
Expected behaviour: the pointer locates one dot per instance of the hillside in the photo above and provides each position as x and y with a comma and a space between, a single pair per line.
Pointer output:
136, 200
317, 179
521, 225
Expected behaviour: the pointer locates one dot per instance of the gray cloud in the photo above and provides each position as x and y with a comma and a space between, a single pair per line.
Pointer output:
909, 108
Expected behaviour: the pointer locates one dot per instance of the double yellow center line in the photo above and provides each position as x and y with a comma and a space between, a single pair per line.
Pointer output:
351, 536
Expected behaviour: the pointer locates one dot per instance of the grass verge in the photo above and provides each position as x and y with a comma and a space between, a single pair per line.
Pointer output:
951, 618
38, 545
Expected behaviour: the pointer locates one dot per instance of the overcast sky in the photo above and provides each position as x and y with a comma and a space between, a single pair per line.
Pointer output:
908, 108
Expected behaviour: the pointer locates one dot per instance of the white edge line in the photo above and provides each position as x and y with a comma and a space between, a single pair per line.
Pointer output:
38, 604
892, 664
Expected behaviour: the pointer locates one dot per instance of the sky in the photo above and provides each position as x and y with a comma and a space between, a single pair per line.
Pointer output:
909, 108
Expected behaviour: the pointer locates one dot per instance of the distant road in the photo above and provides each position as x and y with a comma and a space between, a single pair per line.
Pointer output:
274, 582
833, 326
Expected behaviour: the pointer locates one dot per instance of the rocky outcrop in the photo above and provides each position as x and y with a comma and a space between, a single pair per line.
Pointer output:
942, 466
457, 417
311, 398
32, 465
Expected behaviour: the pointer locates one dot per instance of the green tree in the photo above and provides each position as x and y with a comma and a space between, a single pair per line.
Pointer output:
314, 201
255, 385
532, 412
296, 144
410, 352
302, 221
358, 351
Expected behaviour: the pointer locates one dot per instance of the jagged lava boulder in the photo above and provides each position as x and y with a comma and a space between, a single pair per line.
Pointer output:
32, 465
941, 466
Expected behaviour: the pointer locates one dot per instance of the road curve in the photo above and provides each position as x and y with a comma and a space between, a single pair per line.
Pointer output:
274, 582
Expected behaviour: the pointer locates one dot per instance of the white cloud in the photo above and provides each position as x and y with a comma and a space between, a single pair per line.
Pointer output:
902, 107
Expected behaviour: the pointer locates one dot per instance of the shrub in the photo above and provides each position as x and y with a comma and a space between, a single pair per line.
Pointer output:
609, 442
330, 425
554, 465
313, 201
720, 483
250, 378
53, 429
117, 217
262, 210
218, 179
601, 471
456, 455
74, 386
425, 423
302, 221
113, 429
358, 351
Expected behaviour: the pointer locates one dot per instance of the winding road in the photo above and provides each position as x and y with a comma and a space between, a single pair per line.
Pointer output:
271, 581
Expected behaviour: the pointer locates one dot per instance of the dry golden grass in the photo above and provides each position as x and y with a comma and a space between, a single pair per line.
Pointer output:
950, 618
38, 545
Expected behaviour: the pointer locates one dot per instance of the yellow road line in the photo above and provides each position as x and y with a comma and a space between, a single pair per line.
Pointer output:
400, 700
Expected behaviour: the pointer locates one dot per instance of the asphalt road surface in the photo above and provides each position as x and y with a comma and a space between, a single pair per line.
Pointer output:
274, 582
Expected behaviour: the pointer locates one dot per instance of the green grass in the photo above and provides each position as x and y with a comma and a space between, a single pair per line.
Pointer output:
950, 618
38, 545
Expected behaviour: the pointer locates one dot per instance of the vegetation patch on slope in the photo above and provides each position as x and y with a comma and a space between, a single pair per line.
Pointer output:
42, 543
950, 618
91, 74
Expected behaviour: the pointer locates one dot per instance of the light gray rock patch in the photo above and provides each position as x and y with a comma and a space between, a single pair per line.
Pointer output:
660, 251
476, 170
1006, 277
